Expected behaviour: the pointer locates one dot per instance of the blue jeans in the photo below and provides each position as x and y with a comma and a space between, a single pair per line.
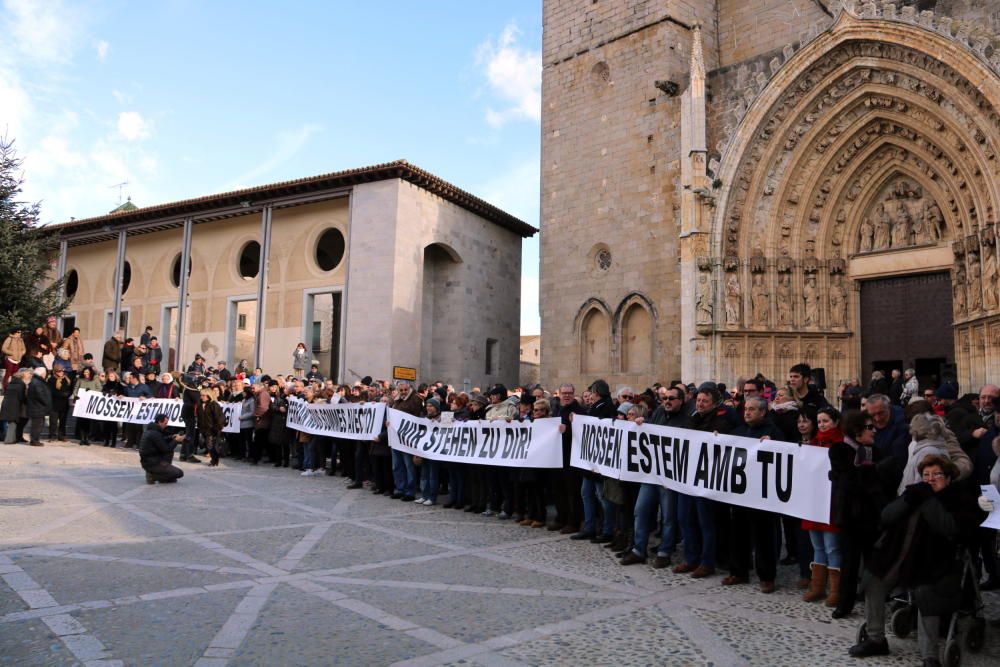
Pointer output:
592, 492
826, 548
403, 474
697, 519
651, 496
309, 454
429, 479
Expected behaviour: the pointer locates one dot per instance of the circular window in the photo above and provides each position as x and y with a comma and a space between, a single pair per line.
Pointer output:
330, 249
126, 277
72, 283
175, 270
250, 260
603, 259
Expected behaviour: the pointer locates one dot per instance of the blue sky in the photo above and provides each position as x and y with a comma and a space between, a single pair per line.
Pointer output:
186, 98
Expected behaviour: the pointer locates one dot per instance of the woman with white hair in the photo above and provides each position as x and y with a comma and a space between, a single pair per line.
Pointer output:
931, 437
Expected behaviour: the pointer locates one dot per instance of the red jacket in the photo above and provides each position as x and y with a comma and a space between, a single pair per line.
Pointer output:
824, 439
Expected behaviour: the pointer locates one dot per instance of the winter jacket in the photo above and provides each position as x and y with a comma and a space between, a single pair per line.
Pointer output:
277, 433
262, 410
211, 420
300, 359
60, 389
75, 346
93, 384
136, 391
112, 354
14, 348
411, 405
155, 448
858, 495
39, 398
922, 534
246, 412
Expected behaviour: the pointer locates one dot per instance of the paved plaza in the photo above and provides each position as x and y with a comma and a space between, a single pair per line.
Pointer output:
255, 566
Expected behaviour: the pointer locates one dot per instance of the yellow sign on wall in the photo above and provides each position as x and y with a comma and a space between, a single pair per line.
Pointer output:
404, 373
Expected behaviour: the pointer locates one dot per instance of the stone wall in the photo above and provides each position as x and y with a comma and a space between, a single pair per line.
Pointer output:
750, 28
610, 165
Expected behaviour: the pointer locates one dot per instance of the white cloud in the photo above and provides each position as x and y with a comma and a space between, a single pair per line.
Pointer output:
42, 31
514, 77
120, 97
133, 126
288, 144
102, 50
16, 104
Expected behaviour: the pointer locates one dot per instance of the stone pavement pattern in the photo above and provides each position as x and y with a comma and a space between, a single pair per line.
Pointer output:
255, 566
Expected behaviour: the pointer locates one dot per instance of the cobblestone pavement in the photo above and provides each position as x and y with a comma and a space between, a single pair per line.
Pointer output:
254, 566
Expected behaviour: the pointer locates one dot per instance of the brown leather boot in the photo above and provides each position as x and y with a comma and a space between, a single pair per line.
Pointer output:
817, 584
834, 597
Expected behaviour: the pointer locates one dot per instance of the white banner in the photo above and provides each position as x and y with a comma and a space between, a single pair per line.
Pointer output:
769, 475
536, 444
354, 421
95, 405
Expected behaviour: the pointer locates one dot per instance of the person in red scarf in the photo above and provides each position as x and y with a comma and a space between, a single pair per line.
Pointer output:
825, 540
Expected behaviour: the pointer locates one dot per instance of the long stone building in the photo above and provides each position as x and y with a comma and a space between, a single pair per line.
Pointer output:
734, 186
371, 268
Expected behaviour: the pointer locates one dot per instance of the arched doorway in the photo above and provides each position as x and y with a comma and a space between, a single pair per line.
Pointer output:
870, 155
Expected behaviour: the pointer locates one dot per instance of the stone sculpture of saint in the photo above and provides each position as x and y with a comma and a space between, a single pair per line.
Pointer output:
900, 234
881, 239
704, 305
733, 300
838, 303
990, 278
975, 290
933, 220
784, 300
958, 293
758, 300
867, 235
811, 296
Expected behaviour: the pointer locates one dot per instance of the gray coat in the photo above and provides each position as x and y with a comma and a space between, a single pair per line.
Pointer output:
14, 401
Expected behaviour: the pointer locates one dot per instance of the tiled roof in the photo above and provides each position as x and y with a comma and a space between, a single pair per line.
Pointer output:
398, 169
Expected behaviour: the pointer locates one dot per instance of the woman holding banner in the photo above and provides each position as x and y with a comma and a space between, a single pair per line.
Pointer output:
85, 380
111, 387
825, 538
459, 404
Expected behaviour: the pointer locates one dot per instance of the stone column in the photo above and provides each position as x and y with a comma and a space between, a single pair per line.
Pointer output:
116, 309
697, 357
182, 295
265, 251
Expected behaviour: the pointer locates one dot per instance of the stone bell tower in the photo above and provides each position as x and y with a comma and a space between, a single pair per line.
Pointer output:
616, 80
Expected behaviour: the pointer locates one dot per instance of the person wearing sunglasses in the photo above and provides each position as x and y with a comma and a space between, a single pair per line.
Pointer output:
919, 550
857, 498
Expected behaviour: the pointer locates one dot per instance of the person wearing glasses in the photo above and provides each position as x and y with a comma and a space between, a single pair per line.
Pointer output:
924, 529
857, 498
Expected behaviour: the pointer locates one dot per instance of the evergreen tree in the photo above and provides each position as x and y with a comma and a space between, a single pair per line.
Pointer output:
27, 294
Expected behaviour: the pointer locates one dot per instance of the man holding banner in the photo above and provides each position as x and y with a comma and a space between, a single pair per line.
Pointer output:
753, 531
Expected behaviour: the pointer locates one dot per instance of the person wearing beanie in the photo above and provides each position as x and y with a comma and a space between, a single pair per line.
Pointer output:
430, 469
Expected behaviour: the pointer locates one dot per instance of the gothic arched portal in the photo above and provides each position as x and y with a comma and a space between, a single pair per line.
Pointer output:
872, 152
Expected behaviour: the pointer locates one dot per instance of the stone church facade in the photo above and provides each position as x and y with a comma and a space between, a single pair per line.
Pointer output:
734, 186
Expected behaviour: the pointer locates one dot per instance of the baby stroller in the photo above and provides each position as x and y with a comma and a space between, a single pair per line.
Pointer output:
967, 620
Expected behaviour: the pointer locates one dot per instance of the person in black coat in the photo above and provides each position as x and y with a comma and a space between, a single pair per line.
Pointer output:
565, 483
61, 388
857, 498
156, 452
14, 408
39, 405
920, 550
697, 515
753, 531
592, 485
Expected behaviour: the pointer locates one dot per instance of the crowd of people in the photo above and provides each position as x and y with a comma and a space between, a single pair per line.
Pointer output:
906, 463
